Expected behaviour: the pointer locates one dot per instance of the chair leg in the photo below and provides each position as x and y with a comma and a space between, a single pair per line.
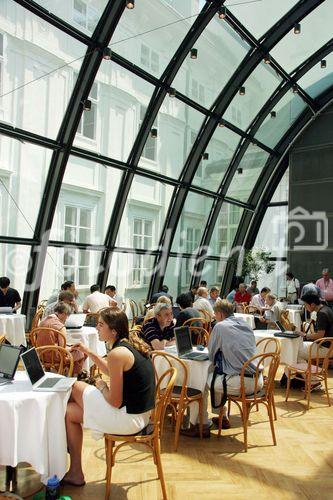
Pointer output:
220, 420
109, 462
245, 418
229, 406
271, 420
157, 448
326, 390
308, 388
200, 417
288, 384
273, 406
179, 418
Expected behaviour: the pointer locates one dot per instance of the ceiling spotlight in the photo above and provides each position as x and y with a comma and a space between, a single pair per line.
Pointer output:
107, 53
297, 28
222, 12
86, 105
130, 4
239, 170
172, 92
273, 114
205, 156
295, 89
323, 63
221, 124
242, 91
267, 59
193, 53
153, 133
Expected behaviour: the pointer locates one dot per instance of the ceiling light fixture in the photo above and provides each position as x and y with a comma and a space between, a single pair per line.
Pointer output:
242, 91
205, 156
86, 105
297, 28
273, 114
221, 124
193, 53
323, 63
295, 89
107, 53
222, 12
239, 170
130, 4
267, 59
153, 133
172, 92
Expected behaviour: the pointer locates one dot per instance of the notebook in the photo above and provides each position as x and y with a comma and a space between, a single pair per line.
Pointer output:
184, 345
9, 358
285, 333
75, 321
6, 310
39, 379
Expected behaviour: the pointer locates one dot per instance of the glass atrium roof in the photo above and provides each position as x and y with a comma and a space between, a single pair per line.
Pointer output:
141, 145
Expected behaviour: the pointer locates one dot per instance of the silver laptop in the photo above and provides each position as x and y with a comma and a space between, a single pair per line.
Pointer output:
40, 380
75, 321
184, 345
9, 358
6, 310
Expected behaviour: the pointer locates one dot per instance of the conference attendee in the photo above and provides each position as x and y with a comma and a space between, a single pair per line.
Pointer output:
326, 287
187, 311
120, 406
292, 288
96, 300
310, 288
159, 331
253, 289
213, 295
203, 303
203, 283
324, 324
164, 290
150, 313
242, 295
259, 299
116, 300
66, 286
273, 311
66, 297
9, 297
56, 321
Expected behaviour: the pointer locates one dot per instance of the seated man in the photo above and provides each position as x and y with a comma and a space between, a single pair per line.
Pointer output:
65, 296
158, 331
273, 311
67, 286
57, 320
242, 295
259, 299
187, 311
252, 289
96, 300
9, 297
213, 295
116, 300
164, 290
203, 303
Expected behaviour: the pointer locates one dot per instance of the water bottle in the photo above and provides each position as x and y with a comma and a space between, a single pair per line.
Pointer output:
52, 488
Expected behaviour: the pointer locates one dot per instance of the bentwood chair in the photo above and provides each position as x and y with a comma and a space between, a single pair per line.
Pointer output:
35, 322
202, 322
264, 346
56, 359
204, 314
59, 337
199, 335
285, 321
260, 396
149, 436
182, 395
134, 311
317, 366
2, 339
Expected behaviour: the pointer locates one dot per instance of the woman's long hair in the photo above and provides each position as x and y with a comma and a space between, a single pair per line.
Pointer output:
117, 320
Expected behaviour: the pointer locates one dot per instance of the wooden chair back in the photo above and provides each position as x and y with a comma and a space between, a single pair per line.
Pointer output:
248, 309
141, 307
199, 335
2, 339
198, 322
60, 338
56, 359
37, 317
285, 321
134, 311
268, 345
316, 359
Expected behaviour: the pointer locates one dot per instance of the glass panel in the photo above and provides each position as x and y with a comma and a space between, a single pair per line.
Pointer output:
272, 235
258, 88
62, 264
83, 14
192, 223
178, 126
266, 14
111, 125
247, 173
138, 31
86, 202
15, 263
220, 149
144, 215
287, 111
220, 51
282, 191
318, 79
38, 63
225, 230
178, 275
316, 30
23, 170
213, 272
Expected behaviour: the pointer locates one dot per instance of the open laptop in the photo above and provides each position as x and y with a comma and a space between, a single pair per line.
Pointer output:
184, 345
9, 358
75, 321
285, 333
6, 310
39, 379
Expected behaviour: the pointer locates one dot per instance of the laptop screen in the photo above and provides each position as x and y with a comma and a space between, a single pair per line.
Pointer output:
32, 365
280, 327
183, 340
75, 321
6, 310
9, 358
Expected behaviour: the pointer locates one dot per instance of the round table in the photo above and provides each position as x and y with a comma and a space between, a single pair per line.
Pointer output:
88, 335
289, 347
13, 327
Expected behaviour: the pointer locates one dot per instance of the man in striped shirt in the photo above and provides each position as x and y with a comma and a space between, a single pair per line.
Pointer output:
158, 331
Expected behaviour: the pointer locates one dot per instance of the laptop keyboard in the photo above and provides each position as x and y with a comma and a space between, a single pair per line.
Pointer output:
49, 382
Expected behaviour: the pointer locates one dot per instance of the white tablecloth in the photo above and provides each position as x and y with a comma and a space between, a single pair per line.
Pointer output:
295, 317
249, 318
13, 327
88, 335
33, 428
289, 347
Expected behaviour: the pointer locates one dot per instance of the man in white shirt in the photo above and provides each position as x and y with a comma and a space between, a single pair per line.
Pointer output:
116, 300
258, 300
292, 288
96, 300
273, 310
202, 302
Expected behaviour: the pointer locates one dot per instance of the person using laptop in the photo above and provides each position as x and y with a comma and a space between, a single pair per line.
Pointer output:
273, 311
158, 331
122, 406
9, 297
56, 321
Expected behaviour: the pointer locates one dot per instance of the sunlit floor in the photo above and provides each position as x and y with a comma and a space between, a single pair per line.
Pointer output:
300, 466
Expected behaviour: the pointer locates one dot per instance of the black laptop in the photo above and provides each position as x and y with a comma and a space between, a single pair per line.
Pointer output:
184, 345
9, 358
285, 333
